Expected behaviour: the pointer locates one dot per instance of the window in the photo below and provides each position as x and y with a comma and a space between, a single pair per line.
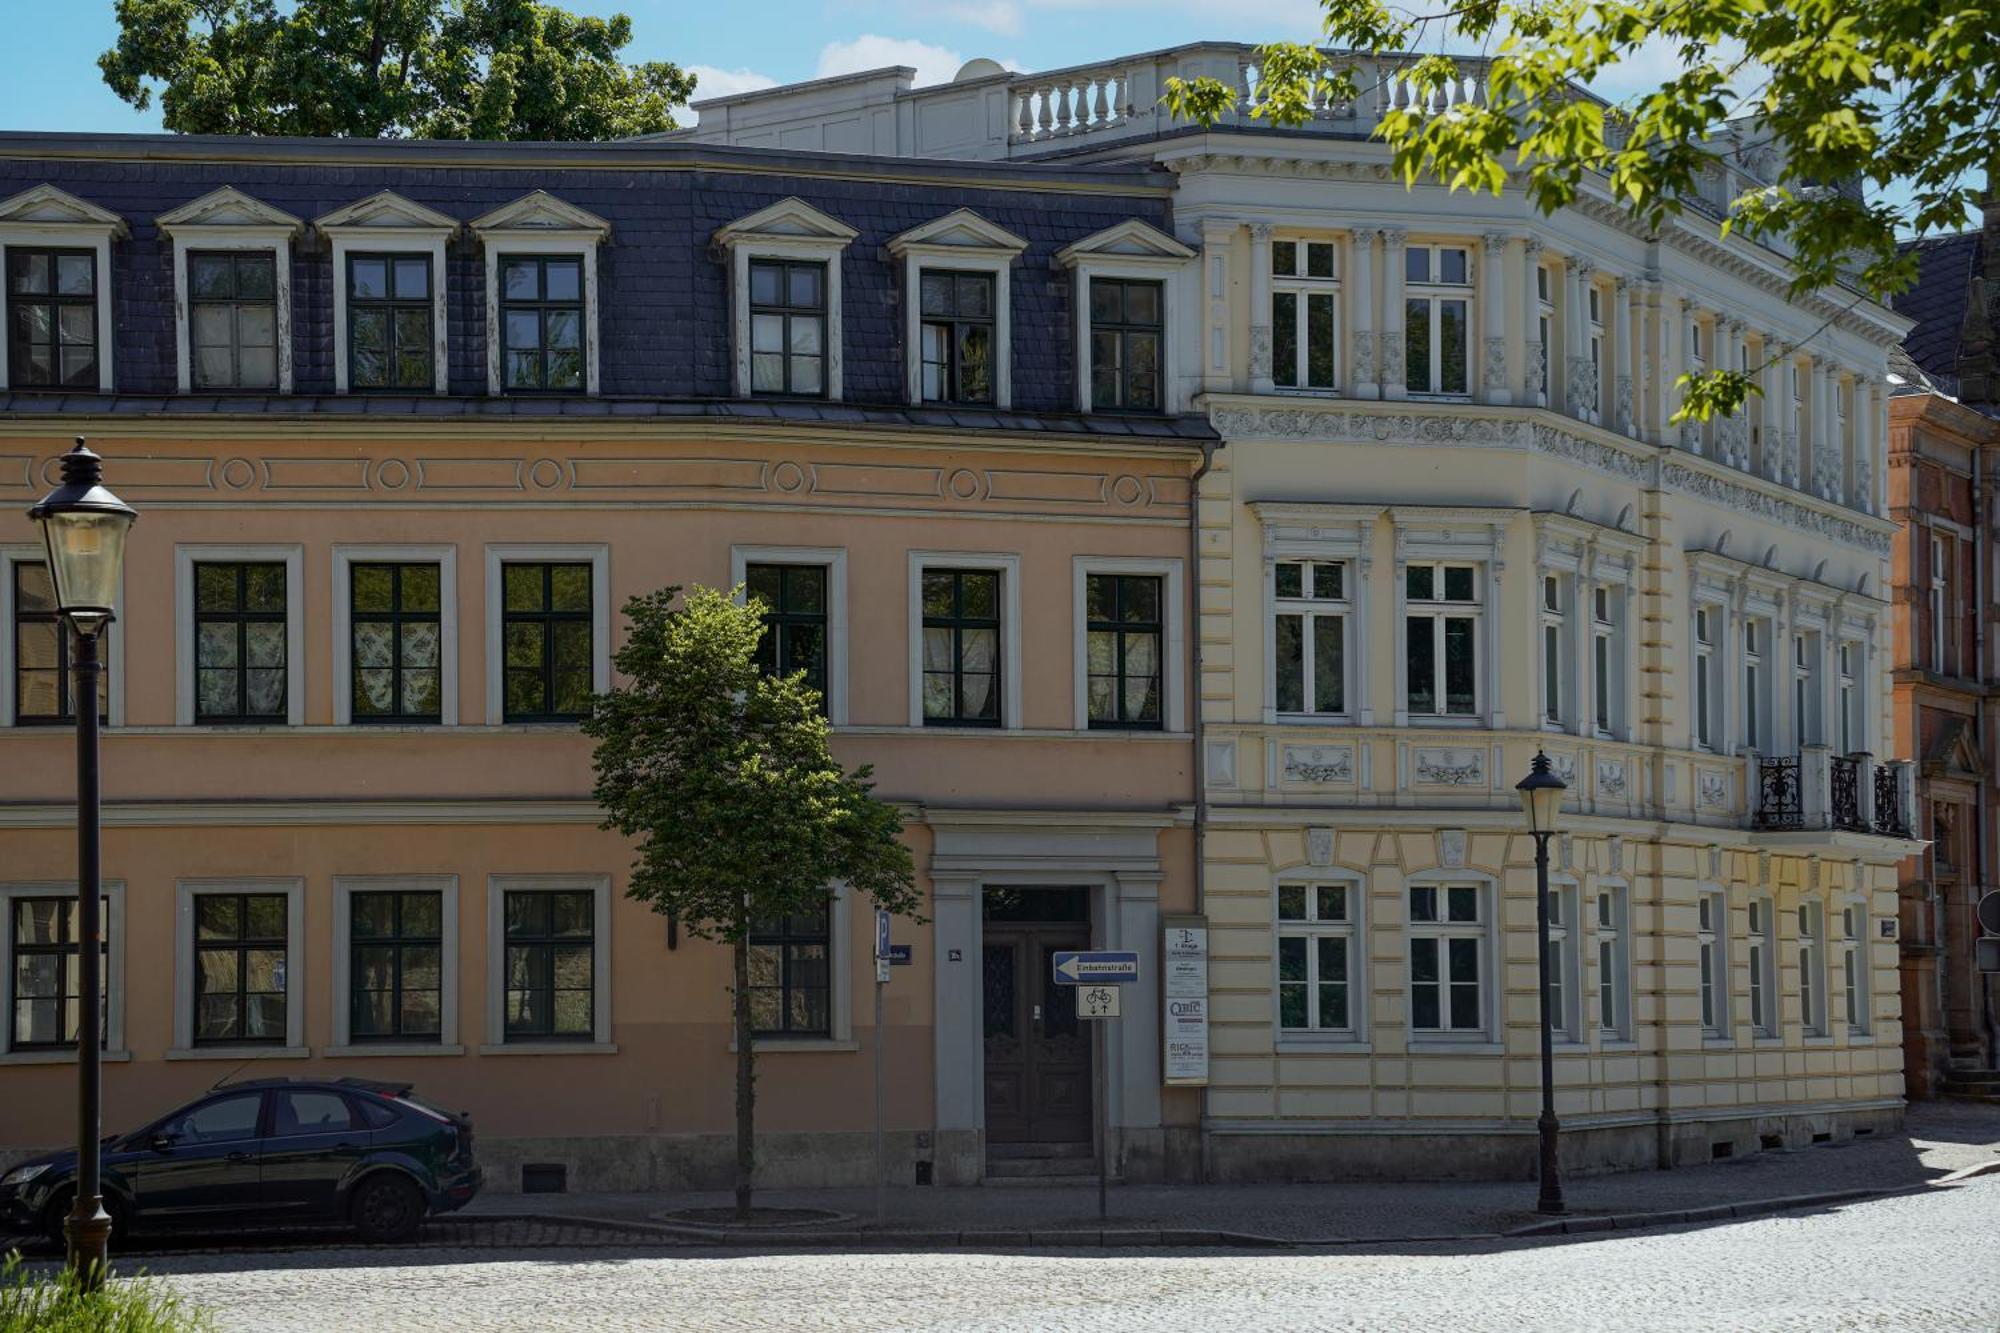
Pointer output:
44, 990
791, 975
395, 641
1940, 601
1448, 934
1805, 687
1441, 638
303, 1113
396, 986
233, 318
548, 628
43, 690
1545, 323
1763, 965
1594, 299
240, 651
52, 336
1613, 963
958, 336
1126, 634
1704, 676
961, 647
1711, 929
1561, 995
542, 323
1812, 974
1603, 658
788, 327
1316, 962
1436, 311
1553, 641
1125, 335
1849, 699
389, 311
550, 964
795, 620
1854, 967
1305, 303
1755, 636
228, 1119
1309, 656
241, 952
1944, 838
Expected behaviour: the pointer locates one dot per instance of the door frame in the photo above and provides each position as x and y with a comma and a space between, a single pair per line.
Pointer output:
1119, 864
1031, 988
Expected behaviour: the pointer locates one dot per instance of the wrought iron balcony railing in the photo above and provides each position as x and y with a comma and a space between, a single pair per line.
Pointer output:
1817, 789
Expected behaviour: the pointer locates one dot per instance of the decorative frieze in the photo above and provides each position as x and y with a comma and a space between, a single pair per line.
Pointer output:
1611, 778
1450, 768
1712, 789
1318, 763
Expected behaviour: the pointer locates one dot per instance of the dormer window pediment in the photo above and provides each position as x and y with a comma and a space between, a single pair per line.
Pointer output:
56, 330
961, 229
387, 211
46, 206
540, 211
790, 219
1129, 241
228, 207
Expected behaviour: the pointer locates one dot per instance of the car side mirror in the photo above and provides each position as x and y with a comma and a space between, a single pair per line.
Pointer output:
162, 1142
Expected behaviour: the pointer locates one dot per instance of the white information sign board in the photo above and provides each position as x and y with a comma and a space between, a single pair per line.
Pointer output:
1185, 985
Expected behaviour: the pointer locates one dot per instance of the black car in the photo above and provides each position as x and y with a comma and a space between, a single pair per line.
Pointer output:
268, 1152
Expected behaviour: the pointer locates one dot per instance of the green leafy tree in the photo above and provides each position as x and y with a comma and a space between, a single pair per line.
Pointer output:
741, 813
428, 69
1888, 93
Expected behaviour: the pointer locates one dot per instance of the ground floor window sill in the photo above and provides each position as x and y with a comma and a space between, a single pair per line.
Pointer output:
551, 1048
240, 1053
67, 1057
398, 1049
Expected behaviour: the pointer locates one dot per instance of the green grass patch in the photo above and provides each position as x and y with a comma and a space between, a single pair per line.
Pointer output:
44, 1302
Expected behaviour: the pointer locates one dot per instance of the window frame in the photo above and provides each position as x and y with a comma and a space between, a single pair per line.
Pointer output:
44, 217
1940, 599
1714, 994
1554, 621
1173, 637
56, 301
344, 889
1756, 710
1814, 975
1325, 534
538, 223
1303, 286
228, 219
834, 559
345, 557
236, 303
1473, 537
1133, 250
112, 646
1707, 628
1565, 957
1446, 610
1808, 648
498, 555
782, 939
388, 224
1125, 330
543, 305
431, 304
1008, 566
1607, 701
1351, 931
1434, 291
1761, 946
112, 923
1856, 992
789, 312
496, 1042
1611, 981
953, 367
186, 557
965, 242
1483, 930
185, 893
1545, 324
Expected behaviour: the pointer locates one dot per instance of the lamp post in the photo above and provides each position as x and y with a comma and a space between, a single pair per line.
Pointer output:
1541, 798
84, 527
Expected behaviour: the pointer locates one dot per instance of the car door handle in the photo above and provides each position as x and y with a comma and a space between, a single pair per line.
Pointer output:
238, 1157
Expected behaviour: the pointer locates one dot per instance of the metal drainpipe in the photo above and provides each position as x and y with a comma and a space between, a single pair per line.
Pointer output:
1208, 449
1981, 547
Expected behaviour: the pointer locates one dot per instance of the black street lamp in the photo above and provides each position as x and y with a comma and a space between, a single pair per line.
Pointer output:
1541, 798
84, 527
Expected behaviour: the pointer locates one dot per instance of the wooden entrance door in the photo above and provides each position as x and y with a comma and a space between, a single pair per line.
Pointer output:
1038, 1073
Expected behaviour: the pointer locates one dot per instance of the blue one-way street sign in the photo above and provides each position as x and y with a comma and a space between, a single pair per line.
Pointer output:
1100, 967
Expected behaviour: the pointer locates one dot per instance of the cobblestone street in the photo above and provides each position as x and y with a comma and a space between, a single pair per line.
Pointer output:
1918, 1261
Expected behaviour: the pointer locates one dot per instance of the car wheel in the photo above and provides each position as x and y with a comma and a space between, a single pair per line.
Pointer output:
387, 1209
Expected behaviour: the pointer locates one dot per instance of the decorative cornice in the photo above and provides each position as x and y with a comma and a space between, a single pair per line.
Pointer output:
1734, 495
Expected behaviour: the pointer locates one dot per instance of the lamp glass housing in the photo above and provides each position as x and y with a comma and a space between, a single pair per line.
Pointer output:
86, 555
1542, 795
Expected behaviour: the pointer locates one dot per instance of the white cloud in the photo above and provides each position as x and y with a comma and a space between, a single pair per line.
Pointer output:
934, 64
713, 82
997, 16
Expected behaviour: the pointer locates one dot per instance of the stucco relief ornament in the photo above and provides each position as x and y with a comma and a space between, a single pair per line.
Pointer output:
1364, 356
1496, 360
1717, 490
1451, 848
1625, 404
1392, 359
1591, 453
1581, 391
1319, 846
1715, 789
1319, 763
1610, 778
1260, 351
1451, 768
1538, 362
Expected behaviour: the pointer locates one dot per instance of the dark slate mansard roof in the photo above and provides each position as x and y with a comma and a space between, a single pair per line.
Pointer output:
1946, 267
664, 316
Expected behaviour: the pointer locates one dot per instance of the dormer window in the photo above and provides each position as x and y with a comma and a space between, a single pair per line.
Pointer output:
1123, 302
388, 295
233, 292
55, 291
541, 295
784, 284
958, 299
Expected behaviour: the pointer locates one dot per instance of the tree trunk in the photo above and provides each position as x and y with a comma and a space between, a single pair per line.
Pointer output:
746, 1085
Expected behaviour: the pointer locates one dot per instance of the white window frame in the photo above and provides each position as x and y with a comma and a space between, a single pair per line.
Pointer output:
1138, 251
1704, 692
1611, 961
1328, 534
186, 557
1311, 610
1546, 325
1008, 566
1447, 610
495, 1035
344, 559
1940, 584
1713, 963
344, 889
1173, 633
964, 242
840, 953
1302, 286
504, 553
294, 1047
1483, 931
538, 223
228, 219
1607, 671
1847, 695
788, 229
1435, 291
1853, 946
1593, 303
1553, 645
44, 216
387, 223
1807, 725
114, 639
1565, 971
1762, 950
1351, 931
834, 560
1757, 631
1813, 972
112, 923
1463, 537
